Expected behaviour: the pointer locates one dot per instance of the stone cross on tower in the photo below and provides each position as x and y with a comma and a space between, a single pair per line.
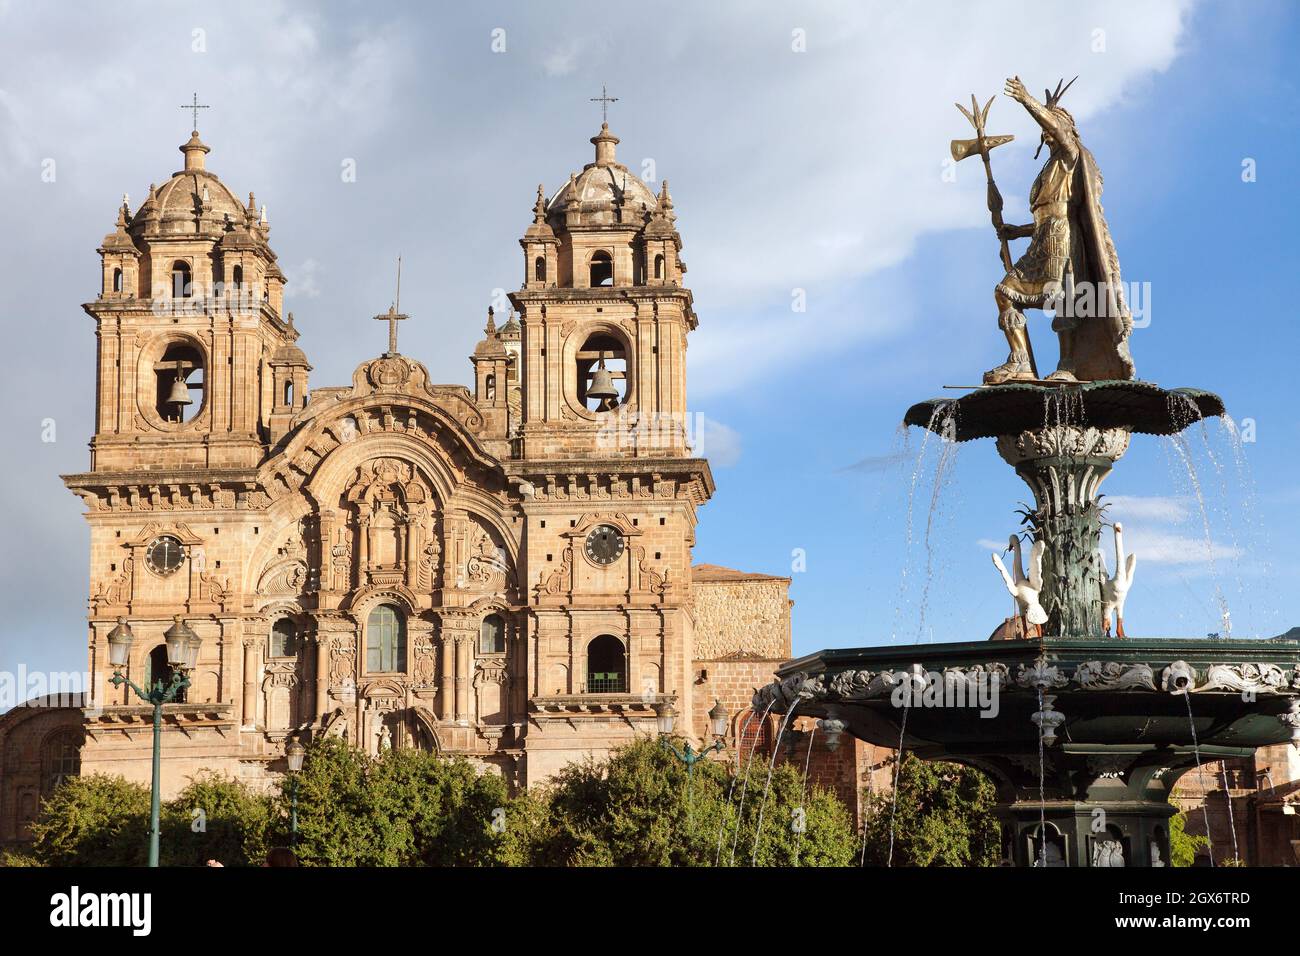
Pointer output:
604, 100
194, 108
393, 316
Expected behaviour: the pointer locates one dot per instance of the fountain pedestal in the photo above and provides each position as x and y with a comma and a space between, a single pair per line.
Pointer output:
1064, 465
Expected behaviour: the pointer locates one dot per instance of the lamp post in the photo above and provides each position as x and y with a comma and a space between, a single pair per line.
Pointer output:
182, 654
667, 717
293, 755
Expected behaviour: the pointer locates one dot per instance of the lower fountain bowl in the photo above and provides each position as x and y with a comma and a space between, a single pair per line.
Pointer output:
1067, 729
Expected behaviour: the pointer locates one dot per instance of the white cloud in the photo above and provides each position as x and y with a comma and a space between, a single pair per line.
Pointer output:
719, 443
562, 60
1160, 546
306, 282
1146, 508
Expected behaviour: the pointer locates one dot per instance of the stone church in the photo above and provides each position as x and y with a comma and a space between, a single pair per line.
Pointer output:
501, 571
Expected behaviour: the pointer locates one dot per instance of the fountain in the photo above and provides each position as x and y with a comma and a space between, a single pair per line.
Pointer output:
1084, 734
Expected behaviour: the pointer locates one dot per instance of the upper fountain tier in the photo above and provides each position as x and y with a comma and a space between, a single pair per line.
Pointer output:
1018, 407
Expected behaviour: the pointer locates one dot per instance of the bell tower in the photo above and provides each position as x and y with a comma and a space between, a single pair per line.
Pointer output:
196, 366
604, 317
610, 484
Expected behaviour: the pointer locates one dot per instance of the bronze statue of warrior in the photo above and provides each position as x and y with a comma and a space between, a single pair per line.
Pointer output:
1070, 265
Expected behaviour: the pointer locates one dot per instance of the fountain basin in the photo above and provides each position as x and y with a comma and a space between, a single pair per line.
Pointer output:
1118, 711
994, 410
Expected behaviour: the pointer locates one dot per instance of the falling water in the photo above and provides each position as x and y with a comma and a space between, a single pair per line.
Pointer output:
898, 766
942, 472
731, 790
1179, 444
871, 774
776, 749
807, 761
1248, 534
908, 528
943, 422
740, 813
1227, 797
1200, 772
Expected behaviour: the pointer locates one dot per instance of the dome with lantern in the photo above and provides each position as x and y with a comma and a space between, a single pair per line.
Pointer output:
605, 191
194, 201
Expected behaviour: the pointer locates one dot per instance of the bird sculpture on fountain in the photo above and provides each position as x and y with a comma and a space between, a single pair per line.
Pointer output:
1025, 589
1114, 590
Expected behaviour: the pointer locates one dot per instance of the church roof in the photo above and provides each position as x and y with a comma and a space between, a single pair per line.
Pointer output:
716, 572
602, 185
193, 193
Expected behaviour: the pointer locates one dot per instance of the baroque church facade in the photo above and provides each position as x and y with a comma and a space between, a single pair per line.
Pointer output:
502, 571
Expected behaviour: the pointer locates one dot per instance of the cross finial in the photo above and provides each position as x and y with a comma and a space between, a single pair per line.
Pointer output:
604, 100
194, 106
393, 316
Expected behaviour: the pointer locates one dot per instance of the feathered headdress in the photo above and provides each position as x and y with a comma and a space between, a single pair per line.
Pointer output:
1051, 99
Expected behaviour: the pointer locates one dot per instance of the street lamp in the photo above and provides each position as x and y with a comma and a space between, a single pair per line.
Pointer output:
293, 755
182, 654
690, 756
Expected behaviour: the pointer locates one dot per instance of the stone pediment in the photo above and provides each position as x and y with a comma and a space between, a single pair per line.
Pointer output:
389, 373
284, 578
744, 655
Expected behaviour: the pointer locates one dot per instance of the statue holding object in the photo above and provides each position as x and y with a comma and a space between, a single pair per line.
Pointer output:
1070, 267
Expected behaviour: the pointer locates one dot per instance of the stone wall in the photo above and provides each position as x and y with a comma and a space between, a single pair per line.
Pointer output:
738, 612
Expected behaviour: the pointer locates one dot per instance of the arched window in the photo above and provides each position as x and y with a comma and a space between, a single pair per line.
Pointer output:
160, 670
492, 635
659, 267
606, 666
602, 269
182, 287
539, 269
181, 363
117, 280
60, 758
490, 387
288, 393
237, 277
385, 639
753, 733
284, 638
602, 350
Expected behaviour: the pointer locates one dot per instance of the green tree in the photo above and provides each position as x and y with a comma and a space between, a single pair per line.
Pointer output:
95, 820
639, 807
943, 817
216, 818
402, 808
1183, 846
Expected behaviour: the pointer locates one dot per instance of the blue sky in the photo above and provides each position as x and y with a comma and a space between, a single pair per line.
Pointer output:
818, 170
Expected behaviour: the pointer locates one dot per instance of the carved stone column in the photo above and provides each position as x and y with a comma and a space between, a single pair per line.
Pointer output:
363, 549
1064, 465
447, 678
322, 675
249, 712
412, 542
463, 663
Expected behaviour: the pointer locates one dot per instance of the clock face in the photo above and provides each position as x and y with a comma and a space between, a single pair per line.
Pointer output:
605, 544
164, 554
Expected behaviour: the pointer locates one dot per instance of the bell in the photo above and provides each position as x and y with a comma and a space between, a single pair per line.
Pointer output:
602, 385
180, 393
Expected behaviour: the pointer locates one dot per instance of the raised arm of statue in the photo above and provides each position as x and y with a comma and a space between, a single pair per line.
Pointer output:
1053, 126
